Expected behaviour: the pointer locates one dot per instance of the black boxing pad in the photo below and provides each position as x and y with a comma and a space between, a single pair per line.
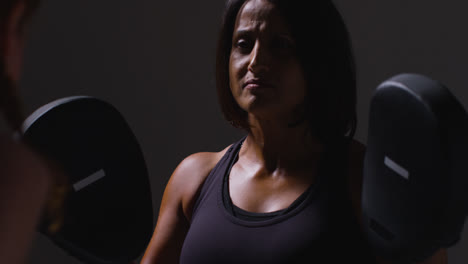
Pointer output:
108, 215
414, 197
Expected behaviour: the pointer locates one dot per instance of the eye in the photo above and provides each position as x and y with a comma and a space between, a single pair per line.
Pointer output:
244, 45
283, 43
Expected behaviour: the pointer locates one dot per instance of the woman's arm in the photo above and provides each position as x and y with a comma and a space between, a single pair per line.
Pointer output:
176, 208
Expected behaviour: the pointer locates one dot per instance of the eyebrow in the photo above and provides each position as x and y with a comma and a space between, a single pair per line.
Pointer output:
242, 32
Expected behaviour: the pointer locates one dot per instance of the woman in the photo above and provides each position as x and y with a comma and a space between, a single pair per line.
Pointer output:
290, 190
25, 178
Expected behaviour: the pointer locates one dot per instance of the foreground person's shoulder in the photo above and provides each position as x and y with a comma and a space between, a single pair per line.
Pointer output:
24, 185
19, 164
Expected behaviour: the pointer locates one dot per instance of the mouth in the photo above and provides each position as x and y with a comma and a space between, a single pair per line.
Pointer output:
256, 84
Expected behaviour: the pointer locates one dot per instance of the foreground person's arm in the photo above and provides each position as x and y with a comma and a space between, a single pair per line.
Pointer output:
24, 184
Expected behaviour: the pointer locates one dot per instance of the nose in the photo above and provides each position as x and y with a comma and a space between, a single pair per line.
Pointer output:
260, 59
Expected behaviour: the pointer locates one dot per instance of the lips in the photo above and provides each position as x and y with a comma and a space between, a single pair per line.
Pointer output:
255, 84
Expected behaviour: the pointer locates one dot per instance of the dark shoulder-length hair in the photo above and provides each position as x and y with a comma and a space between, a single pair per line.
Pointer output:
325, 53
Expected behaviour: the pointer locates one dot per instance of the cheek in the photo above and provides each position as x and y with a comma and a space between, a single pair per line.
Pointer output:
236, 73
296, 79
232, 74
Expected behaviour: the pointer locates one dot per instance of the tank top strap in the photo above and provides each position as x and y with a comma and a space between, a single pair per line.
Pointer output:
212, 181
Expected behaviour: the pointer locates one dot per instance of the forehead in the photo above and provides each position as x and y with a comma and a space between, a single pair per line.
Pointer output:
260, 15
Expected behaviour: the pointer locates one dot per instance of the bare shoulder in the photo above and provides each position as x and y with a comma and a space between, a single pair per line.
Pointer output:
176, 206
190, 175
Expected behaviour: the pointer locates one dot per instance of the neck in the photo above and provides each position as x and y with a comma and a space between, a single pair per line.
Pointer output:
275, 145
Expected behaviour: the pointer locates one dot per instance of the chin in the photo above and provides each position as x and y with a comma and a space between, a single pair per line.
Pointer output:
262, 107
263, 112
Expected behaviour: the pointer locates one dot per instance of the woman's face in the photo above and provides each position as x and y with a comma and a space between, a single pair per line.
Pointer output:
266, 78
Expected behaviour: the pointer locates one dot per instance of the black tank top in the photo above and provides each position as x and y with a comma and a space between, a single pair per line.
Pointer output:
319, 227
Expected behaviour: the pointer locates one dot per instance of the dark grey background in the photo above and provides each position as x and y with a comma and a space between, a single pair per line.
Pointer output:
154, 60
